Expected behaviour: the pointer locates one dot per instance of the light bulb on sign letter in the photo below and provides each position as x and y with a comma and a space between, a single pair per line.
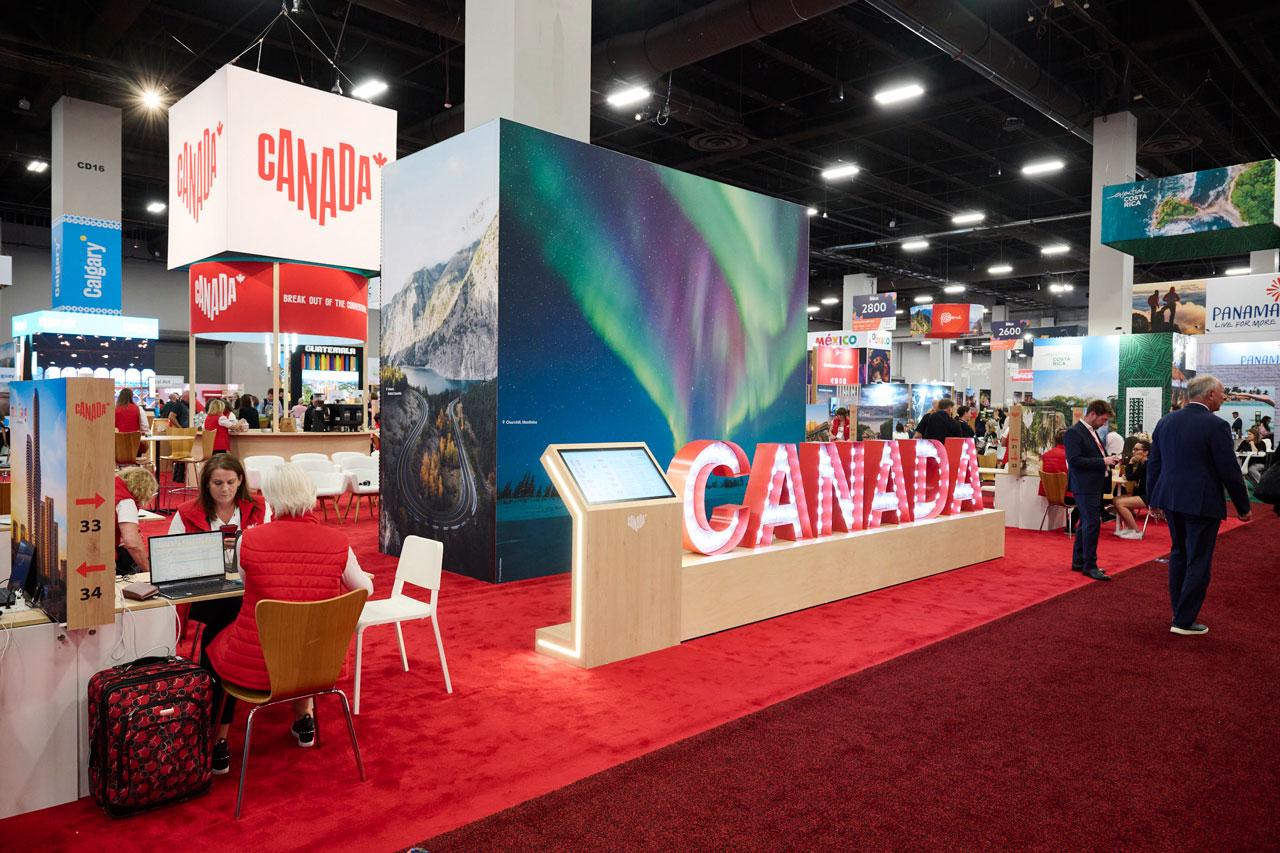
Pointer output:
929, 482
688, 472
966, 479
886, 484
775, 494
832, 505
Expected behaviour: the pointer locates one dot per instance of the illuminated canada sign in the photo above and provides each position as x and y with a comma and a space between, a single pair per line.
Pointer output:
263, 168
817, 489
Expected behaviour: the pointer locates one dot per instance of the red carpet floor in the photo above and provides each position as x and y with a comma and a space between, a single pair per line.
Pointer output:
1080, 725
520, 725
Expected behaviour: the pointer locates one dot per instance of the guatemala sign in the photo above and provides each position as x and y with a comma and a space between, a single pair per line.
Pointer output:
1243, 303
1220, 211
261, 167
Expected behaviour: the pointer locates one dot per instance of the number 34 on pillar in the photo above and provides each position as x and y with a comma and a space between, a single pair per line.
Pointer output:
815, 489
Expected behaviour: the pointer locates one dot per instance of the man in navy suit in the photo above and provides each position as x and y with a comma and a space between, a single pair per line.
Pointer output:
1192, 460
1087, 467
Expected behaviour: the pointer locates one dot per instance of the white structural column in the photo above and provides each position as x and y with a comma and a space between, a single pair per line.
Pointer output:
939, 360
1268, 260
530, 62
999, 363
1115, 151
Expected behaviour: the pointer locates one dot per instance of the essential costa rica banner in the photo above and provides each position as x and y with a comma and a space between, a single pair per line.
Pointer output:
320, 302
1220, 211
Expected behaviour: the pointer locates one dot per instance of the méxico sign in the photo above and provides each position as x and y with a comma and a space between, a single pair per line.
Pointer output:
1244, 303
263, 168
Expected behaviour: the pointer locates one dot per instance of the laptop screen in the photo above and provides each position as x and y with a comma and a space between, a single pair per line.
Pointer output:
184, 556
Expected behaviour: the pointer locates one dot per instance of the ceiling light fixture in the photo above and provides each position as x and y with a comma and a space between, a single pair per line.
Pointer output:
156, 207
915, 245
831, 300
812, 211
897, 94
900, 311
923, 300
629, 96
999, 269
38, 166
368, 90
844, 170
1043, 167
151, 99
969, 218
1055, 249
1229, 270
954, 288
812, 309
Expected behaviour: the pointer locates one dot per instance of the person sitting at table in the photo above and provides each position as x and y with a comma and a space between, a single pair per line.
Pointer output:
1135, 471
129, 416
134, 487
1253, 445
176, 411
1264, 428
294, 558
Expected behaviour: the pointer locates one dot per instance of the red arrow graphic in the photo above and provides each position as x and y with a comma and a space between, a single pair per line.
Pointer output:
84, 568
95, 501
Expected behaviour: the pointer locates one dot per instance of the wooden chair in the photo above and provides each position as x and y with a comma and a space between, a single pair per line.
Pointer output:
127, 444
304, 644
1055, 493
179, 450
205, 450
988, 460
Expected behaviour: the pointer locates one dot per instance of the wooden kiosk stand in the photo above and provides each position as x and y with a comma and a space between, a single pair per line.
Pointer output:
626, 554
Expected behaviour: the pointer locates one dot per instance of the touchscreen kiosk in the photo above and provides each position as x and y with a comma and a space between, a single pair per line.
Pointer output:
626, 554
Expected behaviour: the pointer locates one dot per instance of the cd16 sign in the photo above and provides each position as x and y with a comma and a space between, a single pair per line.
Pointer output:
815, 489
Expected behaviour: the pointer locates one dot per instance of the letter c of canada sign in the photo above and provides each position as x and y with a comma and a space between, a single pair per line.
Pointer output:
815, 489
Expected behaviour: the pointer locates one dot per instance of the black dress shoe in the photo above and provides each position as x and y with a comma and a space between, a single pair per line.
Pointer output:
1077, 568
1098, 575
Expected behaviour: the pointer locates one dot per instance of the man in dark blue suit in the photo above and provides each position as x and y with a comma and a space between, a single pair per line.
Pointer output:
1192, 460
1087, 467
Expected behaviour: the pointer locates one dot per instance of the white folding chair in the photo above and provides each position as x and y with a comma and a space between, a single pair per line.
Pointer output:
303, 457
362, 482
330, 485
323, 466
420, 561
340, 455
255, 467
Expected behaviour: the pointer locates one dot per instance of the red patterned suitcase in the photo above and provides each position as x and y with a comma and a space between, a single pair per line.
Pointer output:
150, 729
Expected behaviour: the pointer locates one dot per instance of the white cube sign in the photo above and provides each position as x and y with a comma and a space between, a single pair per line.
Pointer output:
266, 168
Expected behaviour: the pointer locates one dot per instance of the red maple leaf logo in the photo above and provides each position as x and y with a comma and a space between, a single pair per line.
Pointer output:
219, 128
379, 159
1274, 290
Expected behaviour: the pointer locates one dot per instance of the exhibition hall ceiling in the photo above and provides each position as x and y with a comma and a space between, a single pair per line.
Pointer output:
766, 113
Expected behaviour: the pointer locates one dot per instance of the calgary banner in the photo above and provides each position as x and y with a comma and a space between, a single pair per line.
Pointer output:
234, 299
1007, 335
1243, 303
266, 168
1220, 211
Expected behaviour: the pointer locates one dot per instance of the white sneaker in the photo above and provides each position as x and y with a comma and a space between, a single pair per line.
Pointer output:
1129, 534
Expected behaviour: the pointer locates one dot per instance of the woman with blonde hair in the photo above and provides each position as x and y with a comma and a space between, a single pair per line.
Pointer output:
221, 421
134, 487
291, 558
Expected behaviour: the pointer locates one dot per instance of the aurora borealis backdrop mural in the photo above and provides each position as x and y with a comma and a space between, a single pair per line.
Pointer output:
635, 303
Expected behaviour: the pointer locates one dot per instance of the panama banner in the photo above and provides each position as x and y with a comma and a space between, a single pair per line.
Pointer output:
1221, 211
1243, 303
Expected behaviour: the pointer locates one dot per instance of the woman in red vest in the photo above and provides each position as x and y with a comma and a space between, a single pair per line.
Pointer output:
294, 558
128, 415
134, 487
218, 420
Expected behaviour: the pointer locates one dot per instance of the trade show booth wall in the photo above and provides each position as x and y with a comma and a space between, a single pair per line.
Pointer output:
538, 290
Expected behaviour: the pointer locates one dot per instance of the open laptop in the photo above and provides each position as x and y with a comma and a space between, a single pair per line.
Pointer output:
184, 565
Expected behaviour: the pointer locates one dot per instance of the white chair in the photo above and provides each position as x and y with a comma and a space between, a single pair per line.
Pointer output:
362, 482
329, 485
340, 455
303, 457
419, 565
323, 466
257, 466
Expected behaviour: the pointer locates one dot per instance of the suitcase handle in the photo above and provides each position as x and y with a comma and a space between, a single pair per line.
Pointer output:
147, 661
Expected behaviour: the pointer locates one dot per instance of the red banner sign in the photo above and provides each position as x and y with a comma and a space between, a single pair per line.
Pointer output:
321, 302
835, 366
